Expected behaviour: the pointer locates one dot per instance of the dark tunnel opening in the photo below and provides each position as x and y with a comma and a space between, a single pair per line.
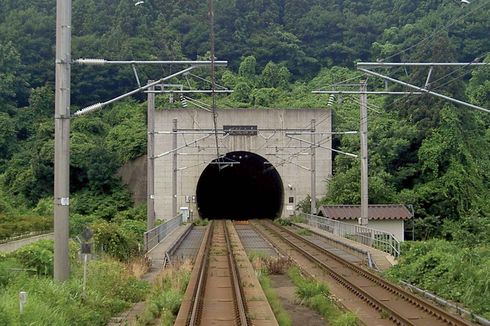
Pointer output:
246, 187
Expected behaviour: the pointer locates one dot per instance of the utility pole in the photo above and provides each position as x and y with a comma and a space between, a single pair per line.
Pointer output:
313, 167
363, 92
150, 182
62, 141
364, 154
174, 168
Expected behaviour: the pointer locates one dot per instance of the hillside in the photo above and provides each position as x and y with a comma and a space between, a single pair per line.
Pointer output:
424, 151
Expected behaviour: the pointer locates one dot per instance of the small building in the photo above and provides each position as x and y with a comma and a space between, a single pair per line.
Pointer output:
387, 218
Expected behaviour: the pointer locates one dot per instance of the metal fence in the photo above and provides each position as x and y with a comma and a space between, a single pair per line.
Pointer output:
377, 239
160, 232
460, 311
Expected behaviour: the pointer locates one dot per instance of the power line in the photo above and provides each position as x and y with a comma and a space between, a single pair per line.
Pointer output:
429, 37
213, 77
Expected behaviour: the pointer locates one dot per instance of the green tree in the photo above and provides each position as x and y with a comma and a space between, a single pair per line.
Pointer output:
275, 76
247, 68
7, 138
9, 65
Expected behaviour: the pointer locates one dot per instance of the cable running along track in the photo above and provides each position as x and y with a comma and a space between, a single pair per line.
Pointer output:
401, 306
217, 294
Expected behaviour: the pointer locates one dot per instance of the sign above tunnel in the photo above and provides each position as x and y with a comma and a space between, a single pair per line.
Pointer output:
240, 130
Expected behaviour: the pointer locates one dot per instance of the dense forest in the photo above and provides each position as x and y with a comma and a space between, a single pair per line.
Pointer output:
424, 151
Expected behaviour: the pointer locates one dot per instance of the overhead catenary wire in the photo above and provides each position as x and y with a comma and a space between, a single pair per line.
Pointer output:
405, 99
433, 34
213, 77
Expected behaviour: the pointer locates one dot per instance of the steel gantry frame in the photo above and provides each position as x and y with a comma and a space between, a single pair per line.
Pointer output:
417, 90
366, 66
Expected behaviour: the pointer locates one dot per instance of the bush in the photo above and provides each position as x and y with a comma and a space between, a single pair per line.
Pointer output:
200, 222
38, 256
283, 222
11, 226
45, 207
448, 270
110, 289
114, 240
79, 222
104, 206
137, 212
277, 265
8, 270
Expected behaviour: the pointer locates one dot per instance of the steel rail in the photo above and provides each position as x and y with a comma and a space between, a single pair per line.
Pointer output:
378, 304
199, 289
240, 305
199, 292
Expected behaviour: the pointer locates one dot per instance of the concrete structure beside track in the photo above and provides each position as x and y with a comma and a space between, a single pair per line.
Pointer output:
290, 155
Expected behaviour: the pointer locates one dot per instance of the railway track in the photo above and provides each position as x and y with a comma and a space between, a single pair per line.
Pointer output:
392, 302
216, 292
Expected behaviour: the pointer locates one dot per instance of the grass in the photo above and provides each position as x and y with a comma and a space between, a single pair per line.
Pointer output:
304, 232
282, 316
263, 266
110, 290
283, 222
316, 295
298, 219
166, 295
201, 222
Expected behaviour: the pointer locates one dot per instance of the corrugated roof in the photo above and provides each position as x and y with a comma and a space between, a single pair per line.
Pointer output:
376, 212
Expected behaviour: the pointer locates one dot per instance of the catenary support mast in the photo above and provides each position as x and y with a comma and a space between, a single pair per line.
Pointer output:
62, 140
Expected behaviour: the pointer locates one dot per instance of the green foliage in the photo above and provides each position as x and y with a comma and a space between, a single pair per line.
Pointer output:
346, 319
469, 231
106, 205
201, 222
7, 137
9, 65
124, 117
479, 85
242, 91
448, 269
265, 97
9, 267
304, 232
110, 277
316, 296
119, 241
137, 213
247, 68
283, 221
79, 222
44, 207
166, 295
38, 255
110, 289
304, 205
11, 226
275, 76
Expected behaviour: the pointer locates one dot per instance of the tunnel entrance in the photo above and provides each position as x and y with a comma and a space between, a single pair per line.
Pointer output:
246, 187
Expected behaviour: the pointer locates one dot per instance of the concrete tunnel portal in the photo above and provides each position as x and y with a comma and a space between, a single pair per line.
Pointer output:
242, 186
